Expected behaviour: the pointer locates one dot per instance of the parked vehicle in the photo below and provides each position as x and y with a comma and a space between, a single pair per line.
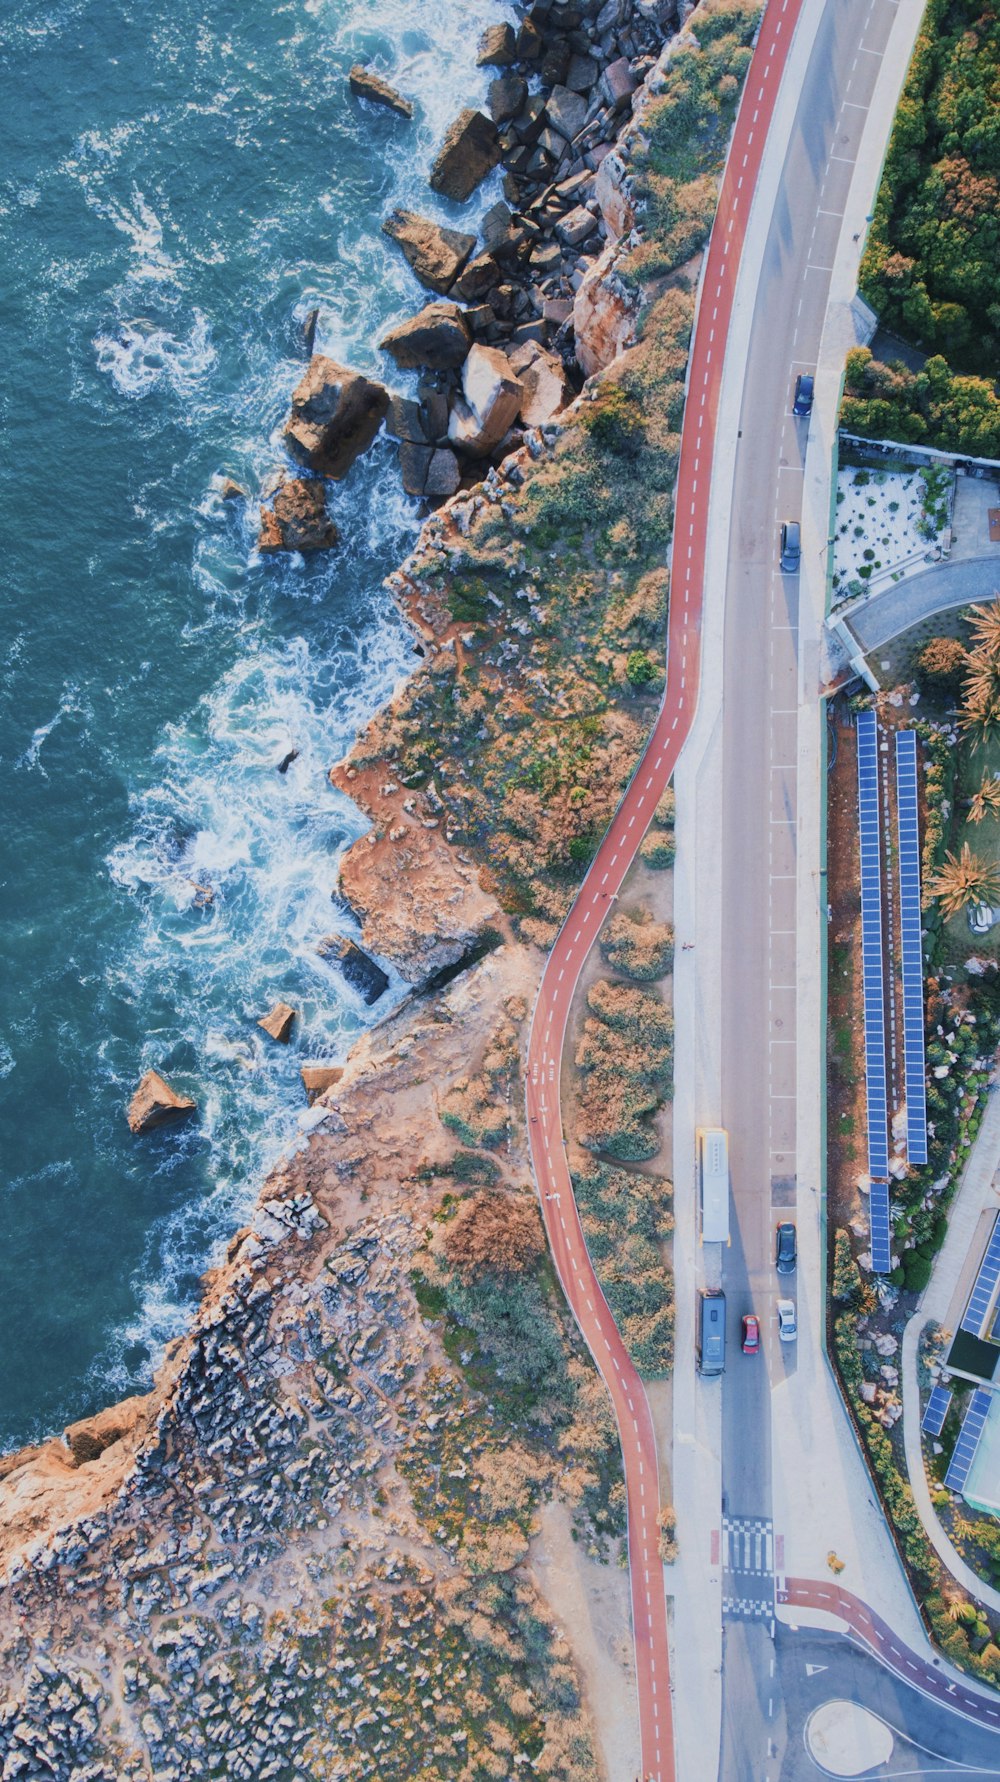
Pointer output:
712, 1330
785, 1249
791, 547
713, 1175
788, 1330
751, 1333
803, 402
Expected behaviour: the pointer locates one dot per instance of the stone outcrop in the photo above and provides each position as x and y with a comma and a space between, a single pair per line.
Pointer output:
278, 1022
318, 1078
366, 84
489, 404
471, 149
437, 255
336, 414
438, 338
155, 1103
362, 973
91, 1437
610, 190
297, 519
544, 383
604, 315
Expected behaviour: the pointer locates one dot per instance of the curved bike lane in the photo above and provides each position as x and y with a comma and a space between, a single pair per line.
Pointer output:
605, 876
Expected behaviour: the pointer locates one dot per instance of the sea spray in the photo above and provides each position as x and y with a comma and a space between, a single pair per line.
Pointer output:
191, 191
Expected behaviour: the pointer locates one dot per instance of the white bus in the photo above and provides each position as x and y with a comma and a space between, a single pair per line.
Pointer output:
713, 1175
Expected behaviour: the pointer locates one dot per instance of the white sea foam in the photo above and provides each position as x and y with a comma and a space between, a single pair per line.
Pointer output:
69, 702
140, 357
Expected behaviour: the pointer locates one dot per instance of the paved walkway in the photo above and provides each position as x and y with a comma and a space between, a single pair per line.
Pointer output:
976, 1192
880, 618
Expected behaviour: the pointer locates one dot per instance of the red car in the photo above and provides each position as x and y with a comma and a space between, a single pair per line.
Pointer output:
751, 1333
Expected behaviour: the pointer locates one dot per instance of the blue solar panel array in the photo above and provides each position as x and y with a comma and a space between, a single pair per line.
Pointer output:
968, 1440
878, 1218
874, 987
986, 1280
913, 964
937, 1410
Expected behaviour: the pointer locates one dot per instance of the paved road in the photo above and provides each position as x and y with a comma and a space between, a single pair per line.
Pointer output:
930, 1741
760, 814
613, 859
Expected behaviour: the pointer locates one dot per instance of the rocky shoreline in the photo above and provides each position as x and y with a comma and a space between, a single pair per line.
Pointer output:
521, 316
305, 1551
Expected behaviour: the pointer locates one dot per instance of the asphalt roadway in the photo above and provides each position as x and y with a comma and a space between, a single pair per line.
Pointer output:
760, 800
613, 859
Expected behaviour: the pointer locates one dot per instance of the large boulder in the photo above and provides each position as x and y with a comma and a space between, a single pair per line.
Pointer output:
377, 91
336, 414
489, 403
470, 150
429, 471
566, 111
604, 312
436, 255
543, 380
278, 1022
155, 1104
318, 1078
497, 47
438, 337
505, 97
297, 519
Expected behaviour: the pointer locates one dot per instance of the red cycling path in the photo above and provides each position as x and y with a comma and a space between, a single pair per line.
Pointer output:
871, 1631
614, 857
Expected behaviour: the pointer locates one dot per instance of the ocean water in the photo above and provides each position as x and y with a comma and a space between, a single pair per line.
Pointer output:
179, 186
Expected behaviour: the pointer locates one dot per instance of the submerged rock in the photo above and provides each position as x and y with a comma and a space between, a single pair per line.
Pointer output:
470, 150
489, 404
297, 519
436, 255
368, 85
155, 1103
437, 337
336, 414
278, 1023
360, 972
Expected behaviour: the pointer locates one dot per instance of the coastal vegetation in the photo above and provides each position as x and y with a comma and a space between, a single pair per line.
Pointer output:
625, 1061
929, 267
627, 1220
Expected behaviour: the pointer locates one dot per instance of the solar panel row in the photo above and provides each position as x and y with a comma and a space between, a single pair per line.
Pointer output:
912, 951
874, 987
937, 1410
968, 1440
871, 942
981, 1296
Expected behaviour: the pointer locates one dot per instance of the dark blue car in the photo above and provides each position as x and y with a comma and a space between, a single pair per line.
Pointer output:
803, 394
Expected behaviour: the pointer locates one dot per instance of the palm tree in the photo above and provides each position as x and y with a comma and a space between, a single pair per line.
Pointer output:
986, 799
985, 626
965, 878
980, 714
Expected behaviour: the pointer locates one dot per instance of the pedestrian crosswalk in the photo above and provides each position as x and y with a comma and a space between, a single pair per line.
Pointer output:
747, 1568
747, 1544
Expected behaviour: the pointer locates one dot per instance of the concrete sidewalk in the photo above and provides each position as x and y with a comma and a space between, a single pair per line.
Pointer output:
977, 1192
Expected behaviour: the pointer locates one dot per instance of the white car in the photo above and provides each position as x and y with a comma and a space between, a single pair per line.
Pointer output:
788, 1330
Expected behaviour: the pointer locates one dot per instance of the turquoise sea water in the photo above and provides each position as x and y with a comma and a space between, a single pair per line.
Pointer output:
180, 184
